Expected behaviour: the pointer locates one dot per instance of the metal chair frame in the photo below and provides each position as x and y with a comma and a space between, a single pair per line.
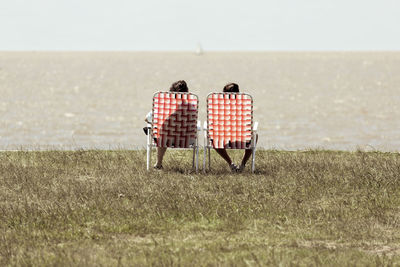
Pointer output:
151, 131
207, 127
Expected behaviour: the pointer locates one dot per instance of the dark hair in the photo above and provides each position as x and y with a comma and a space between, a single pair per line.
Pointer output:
179, 86
231, 88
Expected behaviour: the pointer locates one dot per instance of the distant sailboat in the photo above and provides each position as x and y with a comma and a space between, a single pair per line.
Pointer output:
199, 50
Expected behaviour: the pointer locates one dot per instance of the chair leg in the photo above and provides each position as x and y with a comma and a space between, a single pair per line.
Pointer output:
209, 158
194, 155
148, 152
204, 158
253, 159
197, 159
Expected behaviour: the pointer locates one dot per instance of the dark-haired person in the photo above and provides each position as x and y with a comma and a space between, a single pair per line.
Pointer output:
178, 86
234, 88
231, 88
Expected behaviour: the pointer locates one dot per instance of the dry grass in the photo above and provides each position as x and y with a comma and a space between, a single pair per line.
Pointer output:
92, 208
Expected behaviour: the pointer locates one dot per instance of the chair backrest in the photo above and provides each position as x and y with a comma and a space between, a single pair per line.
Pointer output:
230, 120
175, 119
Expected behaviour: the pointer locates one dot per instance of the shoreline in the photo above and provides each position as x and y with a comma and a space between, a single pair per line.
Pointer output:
207, 51
172, 150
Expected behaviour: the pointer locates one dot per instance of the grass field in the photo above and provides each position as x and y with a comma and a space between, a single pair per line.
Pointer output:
101, 208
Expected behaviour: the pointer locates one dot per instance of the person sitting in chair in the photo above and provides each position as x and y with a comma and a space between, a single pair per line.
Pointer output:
234, 88
181, 87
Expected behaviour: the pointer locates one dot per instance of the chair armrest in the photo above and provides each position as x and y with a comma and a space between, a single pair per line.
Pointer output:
148, 129
255, 126
205, 138
205, 125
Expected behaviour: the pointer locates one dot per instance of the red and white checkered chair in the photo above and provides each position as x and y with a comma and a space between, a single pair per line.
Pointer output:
229, 124
175, 123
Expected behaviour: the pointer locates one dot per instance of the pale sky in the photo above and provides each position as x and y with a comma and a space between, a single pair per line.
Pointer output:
215, 24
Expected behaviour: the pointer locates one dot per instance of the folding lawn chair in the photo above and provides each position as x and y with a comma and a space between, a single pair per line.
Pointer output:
175, 123
229, 124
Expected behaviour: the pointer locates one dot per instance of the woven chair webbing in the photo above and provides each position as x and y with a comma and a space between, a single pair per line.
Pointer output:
230, 120
175, 119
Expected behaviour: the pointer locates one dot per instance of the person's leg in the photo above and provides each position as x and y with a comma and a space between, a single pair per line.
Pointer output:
222, 152
160, 156
246, 156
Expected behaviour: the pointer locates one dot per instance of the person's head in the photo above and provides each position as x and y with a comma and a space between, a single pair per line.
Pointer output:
179, 86
231, 88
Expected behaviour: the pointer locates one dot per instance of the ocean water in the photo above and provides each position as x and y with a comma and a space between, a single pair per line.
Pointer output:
302, 100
